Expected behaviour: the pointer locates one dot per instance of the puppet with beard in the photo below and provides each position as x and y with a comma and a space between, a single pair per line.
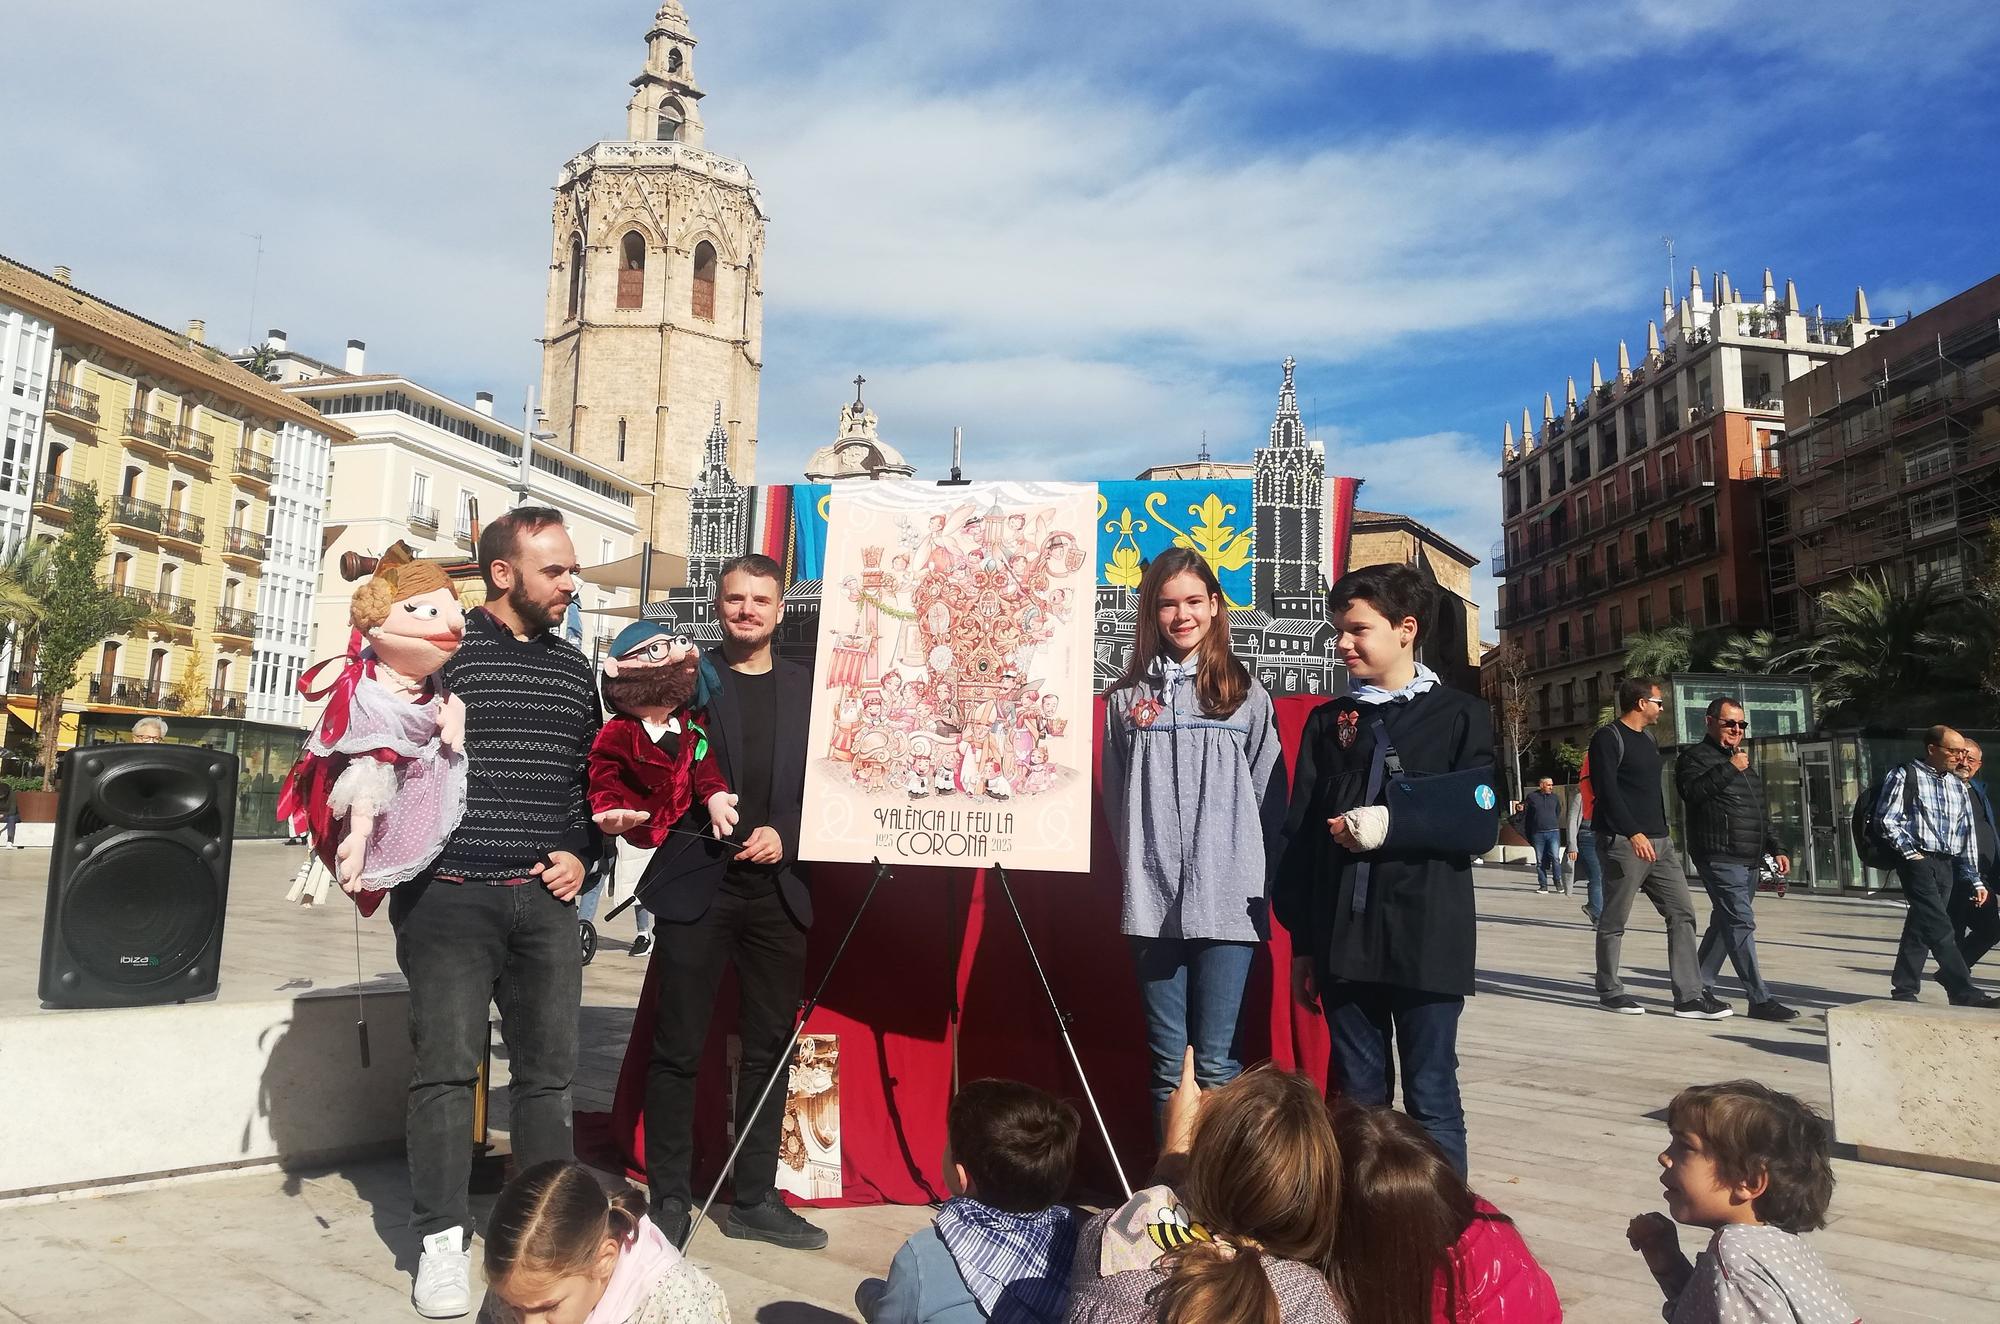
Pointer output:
649, 762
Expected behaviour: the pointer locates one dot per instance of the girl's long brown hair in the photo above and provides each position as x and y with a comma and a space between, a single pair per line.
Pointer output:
553, 1219
1223, 682
1263, 1178
1406, 1208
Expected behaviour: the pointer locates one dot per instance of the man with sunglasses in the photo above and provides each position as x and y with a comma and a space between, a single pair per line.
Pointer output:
1639, 856
1728, 832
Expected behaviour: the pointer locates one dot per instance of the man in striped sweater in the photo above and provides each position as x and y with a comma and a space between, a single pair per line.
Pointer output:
492, 920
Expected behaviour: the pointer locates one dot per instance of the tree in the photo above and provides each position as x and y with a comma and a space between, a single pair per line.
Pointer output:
190, 696
1570, 755
263, 363
1510, 664
1759, 653
1881, 653
1660, 652
78, 610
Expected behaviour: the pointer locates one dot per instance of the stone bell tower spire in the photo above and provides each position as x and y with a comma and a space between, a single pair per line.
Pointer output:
664, 106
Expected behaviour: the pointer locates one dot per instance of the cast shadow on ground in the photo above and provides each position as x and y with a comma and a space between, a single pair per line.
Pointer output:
797, 1312
1804, 1050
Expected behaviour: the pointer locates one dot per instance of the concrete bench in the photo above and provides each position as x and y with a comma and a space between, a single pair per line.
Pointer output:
1917, 1085
97, 1097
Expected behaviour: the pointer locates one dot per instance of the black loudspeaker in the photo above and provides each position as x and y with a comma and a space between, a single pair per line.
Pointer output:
139, 877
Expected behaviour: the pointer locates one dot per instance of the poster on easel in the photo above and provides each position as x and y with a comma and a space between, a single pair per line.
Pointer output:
951, 719
809, 1135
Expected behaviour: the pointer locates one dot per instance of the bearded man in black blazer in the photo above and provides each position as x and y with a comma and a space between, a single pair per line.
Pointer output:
744, 901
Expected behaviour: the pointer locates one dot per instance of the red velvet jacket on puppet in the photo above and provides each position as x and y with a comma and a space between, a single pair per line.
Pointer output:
651, 762
381, 782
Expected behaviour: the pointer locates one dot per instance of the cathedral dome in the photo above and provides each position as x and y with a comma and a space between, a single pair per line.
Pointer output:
857, 452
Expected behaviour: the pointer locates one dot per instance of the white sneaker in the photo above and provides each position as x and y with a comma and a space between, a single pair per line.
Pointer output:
444, 1276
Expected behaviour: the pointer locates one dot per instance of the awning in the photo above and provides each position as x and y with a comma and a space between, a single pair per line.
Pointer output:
634, 612
23, 711
669, 570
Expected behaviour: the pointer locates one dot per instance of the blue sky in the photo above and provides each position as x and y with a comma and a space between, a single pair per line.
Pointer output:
1087, 233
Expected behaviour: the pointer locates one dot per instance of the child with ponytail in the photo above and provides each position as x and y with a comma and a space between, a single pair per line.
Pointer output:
559, 1250
1243, 1234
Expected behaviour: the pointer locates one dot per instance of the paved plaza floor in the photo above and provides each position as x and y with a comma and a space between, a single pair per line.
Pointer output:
1564, 1103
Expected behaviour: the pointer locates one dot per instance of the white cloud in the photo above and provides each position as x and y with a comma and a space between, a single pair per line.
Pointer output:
1446, 480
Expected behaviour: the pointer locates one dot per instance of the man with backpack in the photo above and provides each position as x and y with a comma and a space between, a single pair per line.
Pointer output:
1631, 820
1975, 912
1729, 832
1925, 814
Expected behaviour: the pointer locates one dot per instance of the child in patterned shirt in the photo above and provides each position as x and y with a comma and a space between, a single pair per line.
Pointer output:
1751, 1164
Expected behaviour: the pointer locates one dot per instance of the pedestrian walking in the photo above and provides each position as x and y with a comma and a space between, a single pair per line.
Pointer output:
1544, 813
1729, 834
1582, 839
1926, 812
1639, 856
1974, 911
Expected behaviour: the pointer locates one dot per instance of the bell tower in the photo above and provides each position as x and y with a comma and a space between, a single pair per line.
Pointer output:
655, 299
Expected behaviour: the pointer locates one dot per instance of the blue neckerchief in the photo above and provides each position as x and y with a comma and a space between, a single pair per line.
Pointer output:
1015, 1265
1424, 680
1173, 673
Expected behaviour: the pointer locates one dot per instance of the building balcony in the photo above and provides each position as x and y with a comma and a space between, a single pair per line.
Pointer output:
253, 466
238, 622
54, 496
167, 609
228, 703
245, 545
149, 431
181, 527
190, 444
463, 536
72, 404
24, 682
130, 515
127, 691
1500, 557
423, 518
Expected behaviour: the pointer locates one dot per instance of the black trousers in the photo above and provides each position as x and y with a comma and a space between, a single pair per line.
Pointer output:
1928, 928
1977, 927
751, 929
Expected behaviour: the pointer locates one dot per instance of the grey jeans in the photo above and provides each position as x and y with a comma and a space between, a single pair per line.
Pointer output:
1664, 882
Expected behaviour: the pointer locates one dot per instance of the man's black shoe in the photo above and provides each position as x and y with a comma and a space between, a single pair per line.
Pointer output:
1707, 1007
1623, 1005
771, 1221
1772, 1010
1986, 1000
673, 1217
1904, 997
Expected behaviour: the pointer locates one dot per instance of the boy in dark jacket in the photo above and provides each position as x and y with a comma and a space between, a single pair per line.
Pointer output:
1729, 832
1384, 937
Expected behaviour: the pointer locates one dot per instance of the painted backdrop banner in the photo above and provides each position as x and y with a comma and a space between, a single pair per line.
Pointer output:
952, 678
1210, 516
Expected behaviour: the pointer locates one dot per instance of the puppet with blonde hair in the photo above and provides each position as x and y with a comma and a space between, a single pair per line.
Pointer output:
381, 782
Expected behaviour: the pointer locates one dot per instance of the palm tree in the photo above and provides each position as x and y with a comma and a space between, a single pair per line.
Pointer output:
1877, 647
1758, 653
1660, 652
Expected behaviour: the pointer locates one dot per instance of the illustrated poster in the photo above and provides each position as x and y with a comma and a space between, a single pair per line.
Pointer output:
951, 719
809, 1136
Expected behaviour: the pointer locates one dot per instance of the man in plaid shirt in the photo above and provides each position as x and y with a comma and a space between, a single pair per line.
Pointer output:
1938, 845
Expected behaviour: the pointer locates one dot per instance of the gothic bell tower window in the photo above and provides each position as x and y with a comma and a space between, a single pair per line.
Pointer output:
575, 278
703, 301
674, 60
673, 121
632, 270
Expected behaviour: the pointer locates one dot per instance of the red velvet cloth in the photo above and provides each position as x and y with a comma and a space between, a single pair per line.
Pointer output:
934, 939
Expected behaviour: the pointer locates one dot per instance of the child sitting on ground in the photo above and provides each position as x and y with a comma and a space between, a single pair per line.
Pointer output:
560, 1250
1751, 1164
1000, 1248
1415, 1245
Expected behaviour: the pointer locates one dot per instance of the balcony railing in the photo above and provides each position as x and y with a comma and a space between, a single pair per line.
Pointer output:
136, 514
228, 703
253, 464
239, 621
242, 542
166, 607
423, 517
128, 691
23, 682
181, 526
72, 402
57, 491
148, 427
193, 444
